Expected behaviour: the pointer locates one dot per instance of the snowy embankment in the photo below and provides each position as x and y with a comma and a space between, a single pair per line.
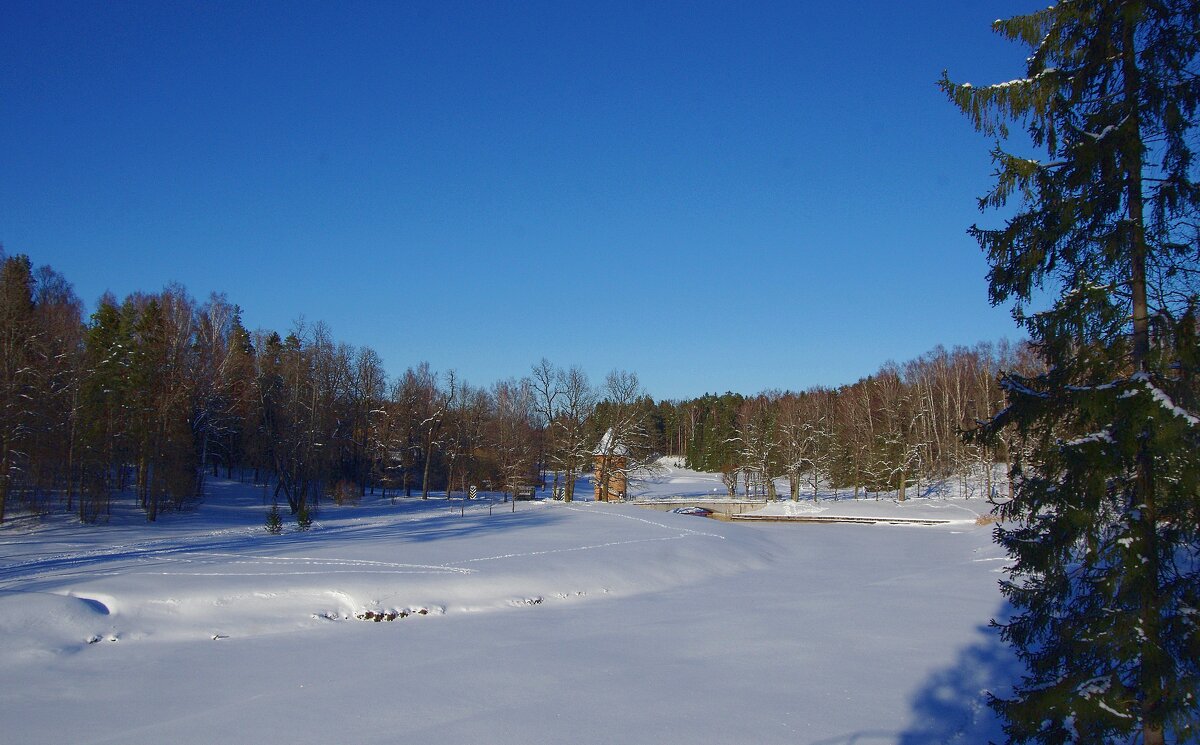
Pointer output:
555, 623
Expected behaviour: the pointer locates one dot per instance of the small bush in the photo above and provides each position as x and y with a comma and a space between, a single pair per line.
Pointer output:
345, 492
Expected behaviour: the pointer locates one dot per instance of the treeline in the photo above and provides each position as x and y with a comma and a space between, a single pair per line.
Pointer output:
155, 392
888, 432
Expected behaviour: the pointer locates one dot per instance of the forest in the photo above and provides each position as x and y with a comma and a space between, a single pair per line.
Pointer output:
152, 394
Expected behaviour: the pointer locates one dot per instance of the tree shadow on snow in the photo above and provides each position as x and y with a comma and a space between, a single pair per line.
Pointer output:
441, 527
411, 522
866, 737
952, 707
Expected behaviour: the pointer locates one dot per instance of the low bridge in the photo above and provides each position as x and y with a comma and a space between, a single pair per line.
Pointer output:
734, 509
725, 507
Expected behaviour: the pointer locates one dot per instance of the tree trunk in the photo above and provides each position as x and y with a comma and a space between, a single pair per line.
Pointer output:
450, 477
4, 478
425, 474
1145, 528
141, 484
70, 454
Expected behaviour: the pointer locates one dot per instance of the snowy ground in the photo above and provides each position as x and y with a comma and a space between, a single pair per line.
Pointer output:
583, 623
952, 501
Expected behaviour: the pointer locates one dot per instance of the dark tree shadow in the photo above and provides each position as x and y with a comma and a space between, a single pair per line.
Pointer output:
412, 521
952, 705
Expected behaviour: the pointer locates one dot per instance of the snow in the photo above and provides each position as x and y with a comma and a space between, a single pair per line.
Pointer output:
582, 623
609, 446
1162, 399
946, 511
1025, 81
1008, 384
1104, 435
1097, 136
1113, 711
1144, 381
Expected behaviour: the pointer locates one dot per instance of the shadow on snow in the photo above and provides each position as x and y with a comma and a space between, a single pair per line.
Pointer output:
952, 707
406, 521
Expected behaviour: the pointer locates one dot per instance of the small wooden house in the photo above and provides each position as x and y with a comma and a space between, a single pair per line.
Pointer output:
611, 460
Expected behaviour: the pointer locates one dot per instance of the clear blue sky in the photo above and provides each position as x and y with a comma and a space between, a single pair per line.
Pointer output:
715, 195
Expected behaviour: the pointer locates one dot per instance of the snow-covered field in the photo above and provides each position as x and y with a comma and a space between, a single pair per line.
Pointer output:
556, 623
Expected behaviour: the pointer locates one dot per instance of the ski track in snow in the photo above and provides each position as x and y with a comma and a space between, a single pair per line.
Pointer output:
590, 547
345, 566
678, 534
964, 509
65, 565
129, 556
683, 532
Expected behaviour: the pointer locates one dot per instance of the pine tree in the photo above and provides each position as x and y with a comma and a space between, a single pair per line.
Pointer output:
1103, 525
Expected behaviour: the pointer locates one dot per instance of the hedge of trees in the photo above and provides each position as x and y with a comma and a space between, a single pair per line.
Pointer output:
156, 392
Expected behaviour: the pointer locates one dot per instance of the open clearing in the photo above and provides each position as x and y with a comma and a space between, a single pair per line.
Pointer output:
581, 623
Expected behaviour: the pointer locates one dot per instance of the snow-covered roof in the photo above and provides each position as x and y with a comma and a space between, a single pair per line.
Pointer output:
609, 445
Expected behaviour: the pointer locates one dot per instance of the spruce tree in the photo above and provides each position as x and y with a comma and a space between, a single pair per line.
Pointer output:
1103, 525
274, 520
103, 408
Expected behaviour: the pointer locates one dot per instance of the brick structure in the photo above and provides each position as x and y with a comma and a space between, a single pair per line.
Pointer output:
611, 458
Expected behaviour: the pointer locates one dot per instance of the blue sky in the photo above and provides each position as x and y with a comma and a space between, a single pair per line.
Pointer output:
714, 195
